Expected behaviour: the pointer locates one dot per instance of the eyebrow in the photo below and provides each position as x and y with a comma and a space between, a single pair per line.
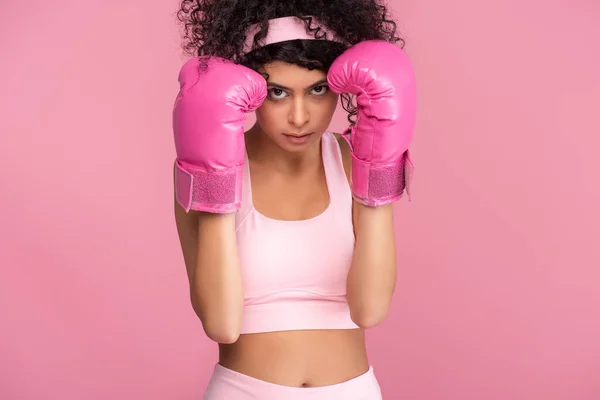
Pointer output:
277, 85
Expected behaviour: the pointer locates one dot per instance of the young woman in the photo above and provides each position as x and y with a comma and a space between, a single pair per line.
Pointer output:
287, 229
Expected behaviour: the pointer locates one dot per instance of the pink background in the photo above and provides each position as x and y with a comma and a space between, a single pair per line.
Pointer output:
498, 291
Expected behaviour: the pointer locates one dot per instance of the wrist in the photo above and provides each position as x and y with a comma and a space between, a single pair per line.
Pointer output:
368, 215
213, 191
378, 184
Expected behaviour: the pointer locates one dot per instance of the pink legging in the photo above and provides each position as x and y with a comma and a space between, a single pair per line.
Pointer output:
226, 384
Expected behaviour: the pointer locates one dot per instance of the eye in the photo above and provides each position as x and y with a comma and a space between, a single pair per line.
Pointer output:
277, 94
320, 90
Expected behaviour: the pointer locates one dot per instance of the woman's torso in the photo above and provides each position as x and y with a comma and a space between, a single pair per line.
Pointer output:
302, 357
298, 358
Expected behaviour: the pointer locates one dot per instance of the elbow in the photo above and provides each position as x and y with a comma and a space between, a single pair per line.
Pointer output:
369, 316
221, 331
222, 335
220, 327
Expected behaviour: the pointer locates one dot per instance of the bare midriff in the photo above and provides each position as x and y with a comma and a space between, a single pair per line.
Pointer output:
308, 358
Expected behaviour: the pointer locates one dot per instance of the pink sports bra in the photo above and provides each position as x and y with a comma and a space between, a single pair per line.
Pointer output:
294, 272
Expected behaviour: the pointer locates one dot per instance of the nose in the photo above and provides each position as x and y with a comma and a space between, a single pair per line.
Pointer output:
299, 114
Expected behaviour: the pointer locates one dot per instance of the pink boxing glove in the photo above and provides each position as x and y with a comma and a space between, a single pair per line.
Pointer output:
208, 125
381, 76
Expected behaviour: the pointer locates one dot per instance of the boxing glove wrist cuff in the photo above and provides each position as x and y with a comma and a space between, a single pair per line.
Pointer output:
215, 191
376, 185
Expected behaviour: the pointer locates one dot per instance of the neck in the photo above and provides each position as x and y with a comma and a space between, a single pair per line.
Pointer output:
264, 151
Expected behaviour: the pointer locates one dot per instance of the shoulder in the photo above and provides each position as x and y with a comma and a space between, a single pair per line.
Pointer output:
346, 156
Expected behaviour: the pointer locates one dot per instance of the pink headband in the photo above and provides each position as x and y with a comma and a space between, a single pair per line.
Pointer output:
282, 29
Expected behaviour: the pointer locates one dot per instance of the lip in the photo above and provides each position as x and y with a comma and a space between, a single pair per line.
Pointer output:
300, 138
298, 135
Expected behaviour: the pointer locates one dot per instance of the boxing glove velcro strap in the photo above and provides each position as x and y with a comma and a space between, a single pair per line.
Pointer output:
215, 191
377, 185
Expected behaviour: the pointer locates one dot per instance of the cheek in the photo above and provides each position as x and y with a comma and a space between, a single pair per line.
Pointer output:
268, 116
332, 104
325, 109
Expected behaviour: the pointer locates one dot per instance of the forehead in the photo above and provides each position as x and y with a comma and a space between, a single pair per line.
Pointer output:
292, 75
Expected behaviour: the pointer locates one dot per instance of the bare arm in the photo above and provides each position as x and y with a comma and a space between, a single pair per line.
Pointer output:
209, 248
372, 276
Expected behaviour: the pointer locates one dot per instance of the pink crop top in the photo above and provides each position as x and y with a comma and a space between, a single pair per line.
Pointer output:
294, 272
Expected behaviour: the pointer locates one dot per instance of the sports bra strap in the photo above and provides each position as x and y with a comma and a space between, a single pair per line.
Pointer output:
337, 182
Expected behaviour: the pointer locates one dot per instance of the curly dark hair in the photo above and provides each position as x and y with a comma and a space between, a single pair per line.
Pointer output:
218, 28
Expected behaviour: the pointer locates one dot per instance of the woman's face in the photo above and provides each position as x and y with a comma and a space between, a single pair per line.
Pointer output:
298, 108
